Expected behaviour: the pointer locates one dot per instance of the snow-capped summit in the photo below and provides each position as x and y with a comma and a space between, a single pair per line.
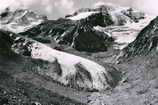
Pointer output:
19, 20
119, 15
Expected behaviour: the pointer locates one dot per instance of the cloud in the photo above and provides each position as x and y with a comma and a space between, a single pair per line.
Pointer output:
51, 8
149, 6
65, 6
15, 4
58, 8
48, 6
99, 3
6, 3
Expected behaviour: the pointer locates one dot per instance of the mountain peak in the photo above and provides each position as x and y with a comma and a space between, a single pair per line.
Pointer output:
119, 15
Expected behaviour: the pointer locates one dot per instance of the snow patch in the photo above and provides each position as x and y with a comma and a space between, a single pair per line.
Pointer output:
81, 15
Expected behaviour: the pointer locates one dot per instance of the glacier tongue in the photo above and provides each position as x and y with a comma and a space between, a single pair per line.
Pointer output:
78, 71
68, 62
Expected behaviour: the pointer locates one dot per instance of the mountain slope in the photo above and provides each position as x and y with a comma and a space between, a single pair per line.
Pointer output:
138, 86
75, 30
32, 72
74, 34
145, 42
19, 20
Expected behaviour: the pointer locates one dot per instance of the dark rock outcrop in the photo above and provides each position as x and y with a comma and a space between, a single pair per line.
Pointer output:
22, 46
88, 39
82, 78
46, 68
5, 43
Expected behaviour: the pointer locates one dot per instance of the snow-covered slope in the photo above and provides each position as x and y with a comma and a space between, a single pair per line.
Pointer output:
119, 15
19, 20
127, 33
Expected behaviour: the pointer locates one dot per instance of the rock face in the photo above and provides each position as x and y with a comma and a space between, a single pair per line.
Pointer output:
85, 38
146, 41
21, 46
5, 43
46, 68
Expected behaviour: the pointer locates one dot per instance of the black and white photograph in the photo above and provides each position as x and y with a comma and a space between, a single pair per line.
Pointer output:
78, 52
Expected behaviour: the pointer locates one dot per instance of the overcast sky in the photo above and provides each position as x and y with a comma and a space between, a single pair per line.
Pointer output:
59, 8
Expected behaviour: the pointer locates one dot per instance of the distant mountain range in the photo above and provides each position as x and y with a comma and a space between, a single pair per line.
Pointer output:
19, 20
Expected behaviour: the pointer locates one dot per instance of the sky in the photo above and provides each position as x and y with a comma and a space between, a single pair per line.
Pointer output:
59, 8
